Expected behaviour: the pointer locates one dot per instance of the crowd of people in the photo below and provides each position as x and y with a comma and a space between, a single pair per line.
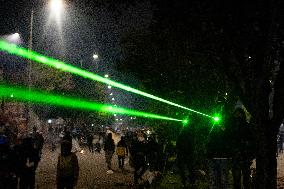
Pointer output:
228, 147
18, 158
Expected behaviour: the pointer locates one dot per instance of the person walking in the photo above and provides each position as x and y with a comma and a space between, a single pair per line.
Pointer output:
138, 153
121, 151
67, 167
38, 142
90, 143
109, 148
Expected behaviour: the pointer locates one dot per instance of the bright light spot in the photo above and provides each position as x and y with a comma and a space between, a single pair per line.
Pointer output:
110, 94
226, 94
43, 59
249, 57
114, 114
115, 105
56, 6
95, 56
131, 117
112, 99
106, 75
49, 121
185, 121
109, 87
148, 132
216, 119
82, 151
116, 119
92, 124
120, 119
14, 38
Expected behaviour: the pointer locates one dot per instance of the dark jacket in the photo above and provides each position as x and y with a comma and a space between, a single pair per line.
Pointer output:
27, 153
217, 144
109, 144
138, 152
240, 138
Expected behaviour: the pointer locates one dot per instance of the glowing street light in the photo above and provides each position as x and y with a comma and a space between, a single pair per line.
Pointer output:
95, 56
56, 6
14, 38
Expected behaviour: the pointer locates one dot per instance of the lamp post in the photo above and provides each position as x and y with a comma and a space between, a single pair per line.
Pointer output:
56, 7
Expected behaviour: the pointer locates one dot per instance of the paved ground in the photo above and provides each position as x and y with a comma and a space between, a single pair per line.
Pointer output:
280, 171
92, 172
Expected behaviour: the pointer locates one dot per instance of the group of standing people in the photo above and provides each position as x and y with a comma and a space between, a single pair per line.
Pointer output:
230, 146
19, 157
140, 150
95, 142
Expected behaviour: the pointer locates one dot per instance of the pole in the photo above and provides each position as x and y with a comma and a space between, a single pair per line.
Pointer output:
29, 69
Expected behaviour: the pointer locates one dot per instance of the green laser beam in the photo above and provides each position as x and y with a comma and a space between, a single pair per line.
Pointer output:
25, 53
22, 94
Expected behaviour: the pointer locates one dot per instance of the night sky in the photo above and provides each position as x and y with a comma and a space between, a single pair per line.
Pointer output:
161, 46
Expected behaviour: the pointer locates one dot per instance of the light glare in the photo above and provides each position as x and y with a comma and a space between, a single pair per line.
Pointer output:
95, 56
13, 49
22, 94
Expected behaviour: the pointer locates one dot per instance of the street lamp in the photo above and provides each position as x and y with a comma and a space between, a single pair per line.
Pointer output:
56, 7
95, 56
13, 38
16, 36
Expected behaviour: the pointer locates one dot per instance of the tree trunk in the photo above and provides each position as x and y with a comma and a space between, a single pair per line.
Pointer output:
266, 165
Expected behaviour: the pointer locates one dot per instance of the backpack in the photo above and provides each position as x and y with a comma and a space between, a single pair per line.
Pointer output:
66, 165
121, 151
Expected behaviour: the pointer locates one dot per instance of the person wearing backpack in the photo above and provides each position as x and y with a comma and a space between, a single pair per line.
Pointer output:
121, 151
67, 167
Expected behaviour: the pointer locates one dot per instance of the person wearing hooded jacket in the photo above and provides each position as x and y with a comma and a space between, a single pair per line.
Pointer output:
109, 148
138, 153
67, 167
